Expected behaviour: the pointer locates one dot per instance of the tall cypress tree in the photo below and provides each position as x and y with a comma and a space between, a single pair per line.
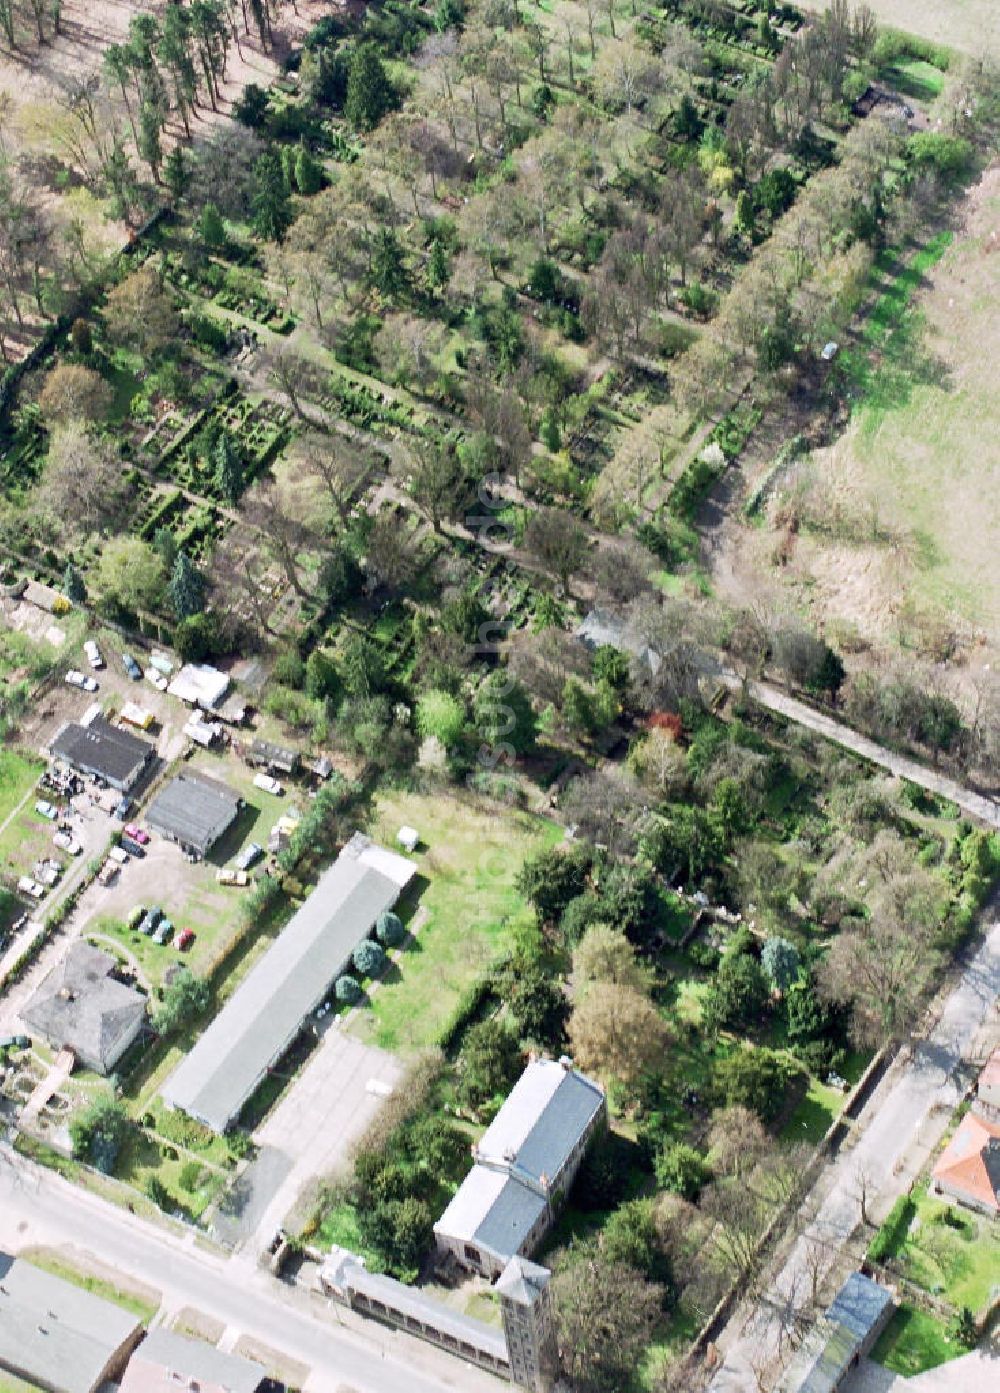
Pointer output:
272, 213
187, 589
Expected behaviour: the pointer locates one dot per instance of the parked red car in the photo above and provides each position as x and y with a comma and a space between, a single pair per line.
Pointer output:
136, 833
184, 939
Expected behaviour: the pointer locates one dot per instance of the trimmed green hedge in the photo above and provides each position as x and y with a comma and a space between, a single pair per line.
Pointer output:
892, 1235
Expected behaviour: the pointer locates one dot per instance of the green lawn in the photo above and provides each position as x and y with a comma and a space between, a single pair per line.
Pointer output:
10, 1384
466, 903
28, 836
821, 1104
339, 1227
814, 1114
18, 773
142, 1157
914, 1341
958, 1261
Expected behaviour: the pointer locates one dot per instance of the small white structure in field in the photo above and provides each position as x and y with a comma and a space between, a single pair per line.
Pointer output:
199, 684
408, 838
830, 351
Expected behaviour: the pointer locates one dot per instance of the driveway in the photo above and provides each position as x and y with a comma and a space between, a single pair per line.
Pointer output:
898, 1130
315, 1125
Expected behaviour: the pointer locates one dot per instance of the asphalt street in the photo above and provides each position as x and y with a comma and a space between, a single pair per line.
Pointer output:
345, 1354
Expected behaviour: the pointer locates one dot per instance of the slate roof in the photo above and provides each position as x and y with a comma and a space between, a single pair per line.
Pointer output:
522, 1152
80, 1006
101, 748
166, 1360
970, 1162
522, 1281
194, 810
55, 1334
859, 1308
544, 1116
600, 629
267, 1010
492, 1210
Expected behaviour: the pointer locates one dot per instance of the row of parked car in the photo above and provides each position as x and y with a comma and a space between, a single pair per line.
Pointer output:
154, 924
95, 658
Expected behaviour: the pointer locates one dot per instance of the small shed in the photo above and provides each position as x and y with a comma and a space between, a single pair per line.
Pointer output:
201, 731
276, 759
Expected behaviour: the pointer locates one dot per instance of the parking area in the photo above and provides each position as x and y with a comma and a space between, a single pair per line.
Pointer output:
317, 1122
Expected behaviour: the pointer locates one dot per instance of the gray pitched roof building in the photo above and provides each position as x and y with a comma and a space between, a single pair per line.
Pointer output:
81, 1007
846, 1333
166, 1362
56, 1335
103, 751
525, 1163
194, 811
266, 1012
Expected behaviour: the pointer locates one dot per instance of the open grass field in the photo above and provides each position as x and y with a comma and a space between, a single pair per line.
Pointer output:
968, 25
18, 774
469, 857
916, 466
928, 452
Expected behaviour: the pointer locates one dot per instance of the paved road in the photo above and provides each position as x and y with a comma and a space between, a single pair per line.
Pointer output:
345, 1354
898, 1129
974, 804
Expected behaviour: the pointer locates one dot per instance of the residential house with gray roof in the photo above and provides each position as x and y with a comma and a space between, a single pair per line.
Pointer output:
58, 1337
81, 1007
524, 1164
166, 1362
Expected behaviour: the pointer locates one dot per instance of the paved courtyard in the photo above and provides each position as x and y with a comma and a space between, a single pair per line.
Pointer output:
323, 1113
978, 1372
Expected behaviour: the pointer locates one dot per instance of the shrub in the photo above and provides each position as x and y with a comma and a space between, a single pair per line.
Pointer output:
289, 670
190, 1175
682, 1169
755, 1078
158, 1192
348, 990
369, 959
98, 1132
389, 929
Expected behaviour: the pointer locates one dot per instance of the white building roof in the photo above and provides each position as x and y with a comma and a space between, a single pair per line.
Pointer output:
199, 684
498, 1205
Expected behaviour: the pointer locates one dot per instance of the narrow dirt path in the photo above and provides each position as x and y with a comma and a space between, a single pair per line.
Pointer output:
976, 805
